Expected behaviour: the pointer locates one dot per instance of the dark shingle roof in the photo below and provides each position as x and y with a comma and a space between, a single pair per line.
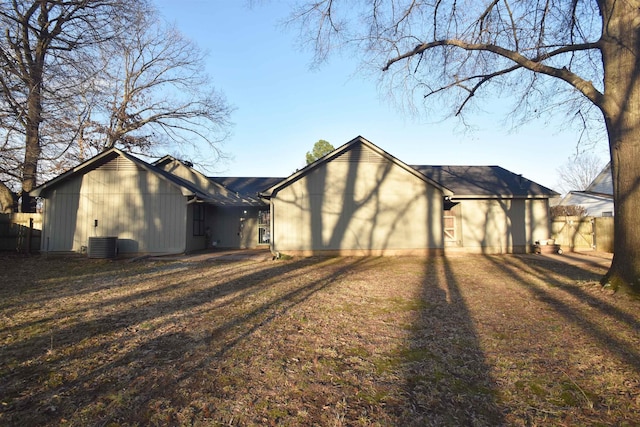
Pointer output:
251, 186
463, 181
483, 181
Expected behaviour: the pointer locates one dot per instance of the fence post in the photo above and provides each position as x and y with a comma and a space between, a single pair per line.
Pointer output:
29, 234
20, 232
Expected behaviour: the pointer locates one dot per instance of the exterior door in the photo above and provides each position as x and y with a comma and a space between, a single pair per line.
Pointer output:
264, 227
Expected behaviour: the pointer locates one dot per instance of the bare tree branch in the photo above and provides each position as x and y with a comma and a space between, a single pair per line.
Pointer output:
552, 56
535, 64
152, 81
40, 41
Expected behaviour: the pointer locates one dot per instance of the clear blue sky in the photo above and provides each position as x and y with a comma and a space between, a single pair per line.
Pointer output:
283, 107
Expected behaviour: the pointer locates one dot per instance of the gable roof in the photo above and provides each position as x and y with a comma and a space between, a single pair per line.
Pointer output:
603, 183
186, 172
484, 181
582, 196
215, 194
456, 181
351, 146
186, 188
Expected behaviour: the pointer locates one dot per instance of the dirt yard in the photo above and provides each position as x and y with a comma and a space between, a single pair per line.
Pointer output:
473, 340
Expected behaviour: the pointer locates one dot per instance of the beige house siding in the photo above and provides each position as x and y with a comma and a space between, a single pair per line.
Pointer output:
146, 213
357, 200
357, 203
191, 175
502, 225
538, 220
59, 222
195, 242
227, 227
235, 227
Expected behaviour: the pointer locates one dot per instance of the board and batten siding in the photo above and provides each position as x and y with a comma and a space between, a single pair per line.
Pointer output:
178, 169
539, 224
502, 225
235, 226
358, 203
145, 212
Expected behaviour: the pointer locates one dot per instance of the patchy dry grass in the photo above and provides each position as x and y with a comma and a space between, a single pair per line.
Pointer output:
504, 340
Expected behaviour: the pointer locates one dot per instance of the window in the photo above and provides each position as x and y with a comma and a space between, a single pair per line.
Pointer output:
607, 213
198, 220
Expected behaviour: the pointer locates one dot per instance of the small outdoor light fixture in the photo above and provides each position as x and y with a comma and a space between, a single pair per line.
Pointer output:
95, 222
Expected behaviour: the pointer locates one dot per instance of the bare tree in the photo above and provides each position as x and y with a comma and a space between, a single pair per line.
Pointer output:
38, 53
81, 76
152, 88
577, 173
580, 54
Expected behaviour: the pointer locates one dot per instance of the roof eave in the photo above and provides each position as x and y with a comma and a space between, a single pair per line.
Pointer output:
184, 190
36, 192
504, 196
272, 191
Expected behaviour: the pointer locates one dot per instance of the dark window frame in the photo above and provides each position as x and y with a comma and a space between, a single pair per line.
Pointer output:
198, 220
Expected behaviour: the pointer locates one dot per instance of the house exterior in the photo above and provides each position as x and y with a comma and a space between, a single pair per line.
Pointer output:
492, 210
361, 200
597, 198
356, 200
160, 208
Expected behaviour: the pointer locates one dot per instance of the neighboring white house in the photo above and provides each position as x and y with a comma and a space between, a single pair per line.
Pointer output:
597, 198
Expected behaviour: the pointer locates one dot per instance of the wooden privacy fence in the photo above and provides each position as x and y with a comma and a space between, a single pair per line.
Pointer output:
575, 233
20, 232
603, 229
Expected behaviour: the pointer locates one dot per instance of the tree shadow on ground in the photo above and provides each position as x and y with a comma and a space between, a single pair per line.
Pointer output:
575, 304
125, 357
447, 379
324, 341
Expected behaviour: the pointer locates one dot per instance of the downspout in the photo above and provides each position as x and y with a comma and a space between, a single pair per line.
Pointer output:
272, 229
44, 238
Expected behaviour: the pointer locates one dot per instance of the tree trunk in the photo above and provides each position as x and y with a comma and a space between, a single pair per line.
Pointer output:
7, 199
30, 167
33, 149
621, 108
